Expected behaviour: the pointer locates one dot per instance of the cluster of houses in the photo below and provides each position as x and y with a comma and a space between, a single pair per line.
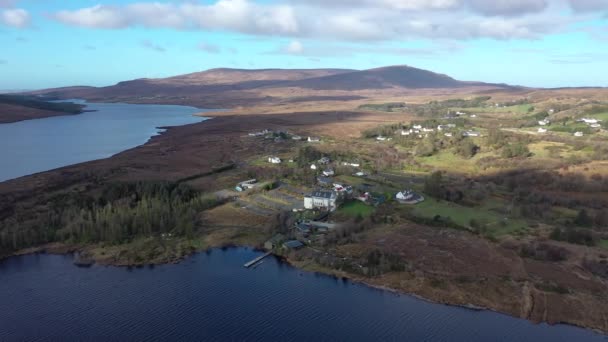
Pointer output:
421, 132
418, 130
277, 136
593, 123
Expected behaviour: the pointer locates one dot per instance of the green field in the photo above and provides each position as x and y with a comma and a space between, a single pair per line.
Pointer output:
519, 109
603, 244
356, 208
495, 223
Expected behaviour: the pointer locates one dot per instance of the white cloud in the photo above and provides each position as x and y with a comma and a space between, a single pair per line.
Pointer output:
98, 16
294, 48
350, 20
508, 7
16, 17
235, 15
589, 5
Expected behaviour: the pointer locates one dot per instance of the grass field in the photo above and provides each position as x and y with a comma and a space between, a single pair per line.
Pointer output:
519, 109
603, 244
496, 223
601, 116
356, 208
448, 160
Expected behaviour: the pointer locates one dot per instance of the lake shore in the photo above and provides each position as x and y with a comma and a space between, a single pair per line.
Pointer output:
93, 252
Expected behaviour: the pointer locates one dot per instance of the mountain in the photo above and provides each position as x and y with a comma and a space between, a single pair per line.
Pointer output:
381, 78
233, 87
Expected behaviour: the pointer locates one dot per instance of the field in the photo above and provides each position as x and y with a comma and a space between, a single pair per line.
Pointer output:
355, 209
494, 224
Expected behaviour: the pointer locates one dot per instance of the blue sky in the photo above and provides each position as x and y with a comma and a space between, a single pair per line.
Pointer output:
547, 43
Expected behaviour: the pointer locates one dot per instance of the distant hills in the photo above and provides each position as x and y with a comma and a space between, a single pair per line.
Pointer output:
14, 107
229, 87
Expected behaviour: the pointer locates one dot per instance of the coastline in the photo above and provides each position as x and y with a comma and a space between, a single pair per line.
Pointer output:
63, 249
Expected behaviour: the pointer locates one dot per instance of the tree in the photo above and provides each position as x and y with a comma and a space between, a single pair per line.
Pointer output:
433, 185
515, 150
583, 219
426, 147
496, 138
467, 148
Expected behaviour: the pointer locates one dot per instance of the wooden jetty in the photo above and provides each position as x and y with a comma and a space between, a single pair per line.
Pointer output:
256, 260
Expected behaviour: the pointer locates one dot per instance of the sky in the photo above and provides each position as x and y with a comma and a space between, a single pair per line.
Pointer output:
540, 43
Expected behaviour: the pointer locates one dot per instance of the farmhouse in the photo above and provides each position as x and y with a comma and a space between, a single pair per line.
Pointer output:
313, 139
409, 197
274, 160
579, 134
544, 122
246, 185
471, 134
590, 121
542, 130
321, 199
329, 173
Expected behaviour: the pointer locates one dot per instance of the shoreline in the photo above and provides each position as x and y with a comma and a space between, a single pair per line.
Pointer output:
60, 249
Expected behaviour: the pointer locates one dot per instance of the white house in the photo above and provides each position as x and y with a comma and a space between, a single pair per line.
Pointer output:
351, 164
381, 138
274, 160
360, 174
473, 115
409, 197
313, 167
579, 134
449, 135
428, 130
404, 132
595, 125
313, 139
329, 173
590, 121
321, 199
471, 134
542, 130
246, 185
460, 113
544, 122
417, 126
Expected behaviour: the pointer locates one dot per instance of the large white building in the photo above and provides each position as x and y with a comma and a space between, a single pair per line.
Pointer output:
321, 199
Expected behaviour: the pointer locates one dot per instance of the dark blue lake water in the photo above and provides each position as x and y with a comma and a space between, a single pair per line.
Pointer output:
43, 144
212, 297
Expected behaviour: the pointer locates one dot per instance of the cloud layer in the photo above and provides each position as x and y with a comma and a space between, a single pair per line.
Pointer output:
17, 17
353, 20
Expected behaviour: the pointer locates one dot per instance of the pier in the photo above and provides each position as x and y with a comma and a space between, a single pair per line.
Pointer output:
256, 260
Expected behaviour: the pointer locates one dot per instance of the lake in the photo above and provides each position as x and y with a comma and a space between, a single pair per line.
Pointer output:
38, 145
211, 296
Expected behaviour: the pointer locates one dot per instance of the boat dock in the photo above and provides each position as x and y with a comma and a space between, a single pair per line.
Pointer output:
256, 260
